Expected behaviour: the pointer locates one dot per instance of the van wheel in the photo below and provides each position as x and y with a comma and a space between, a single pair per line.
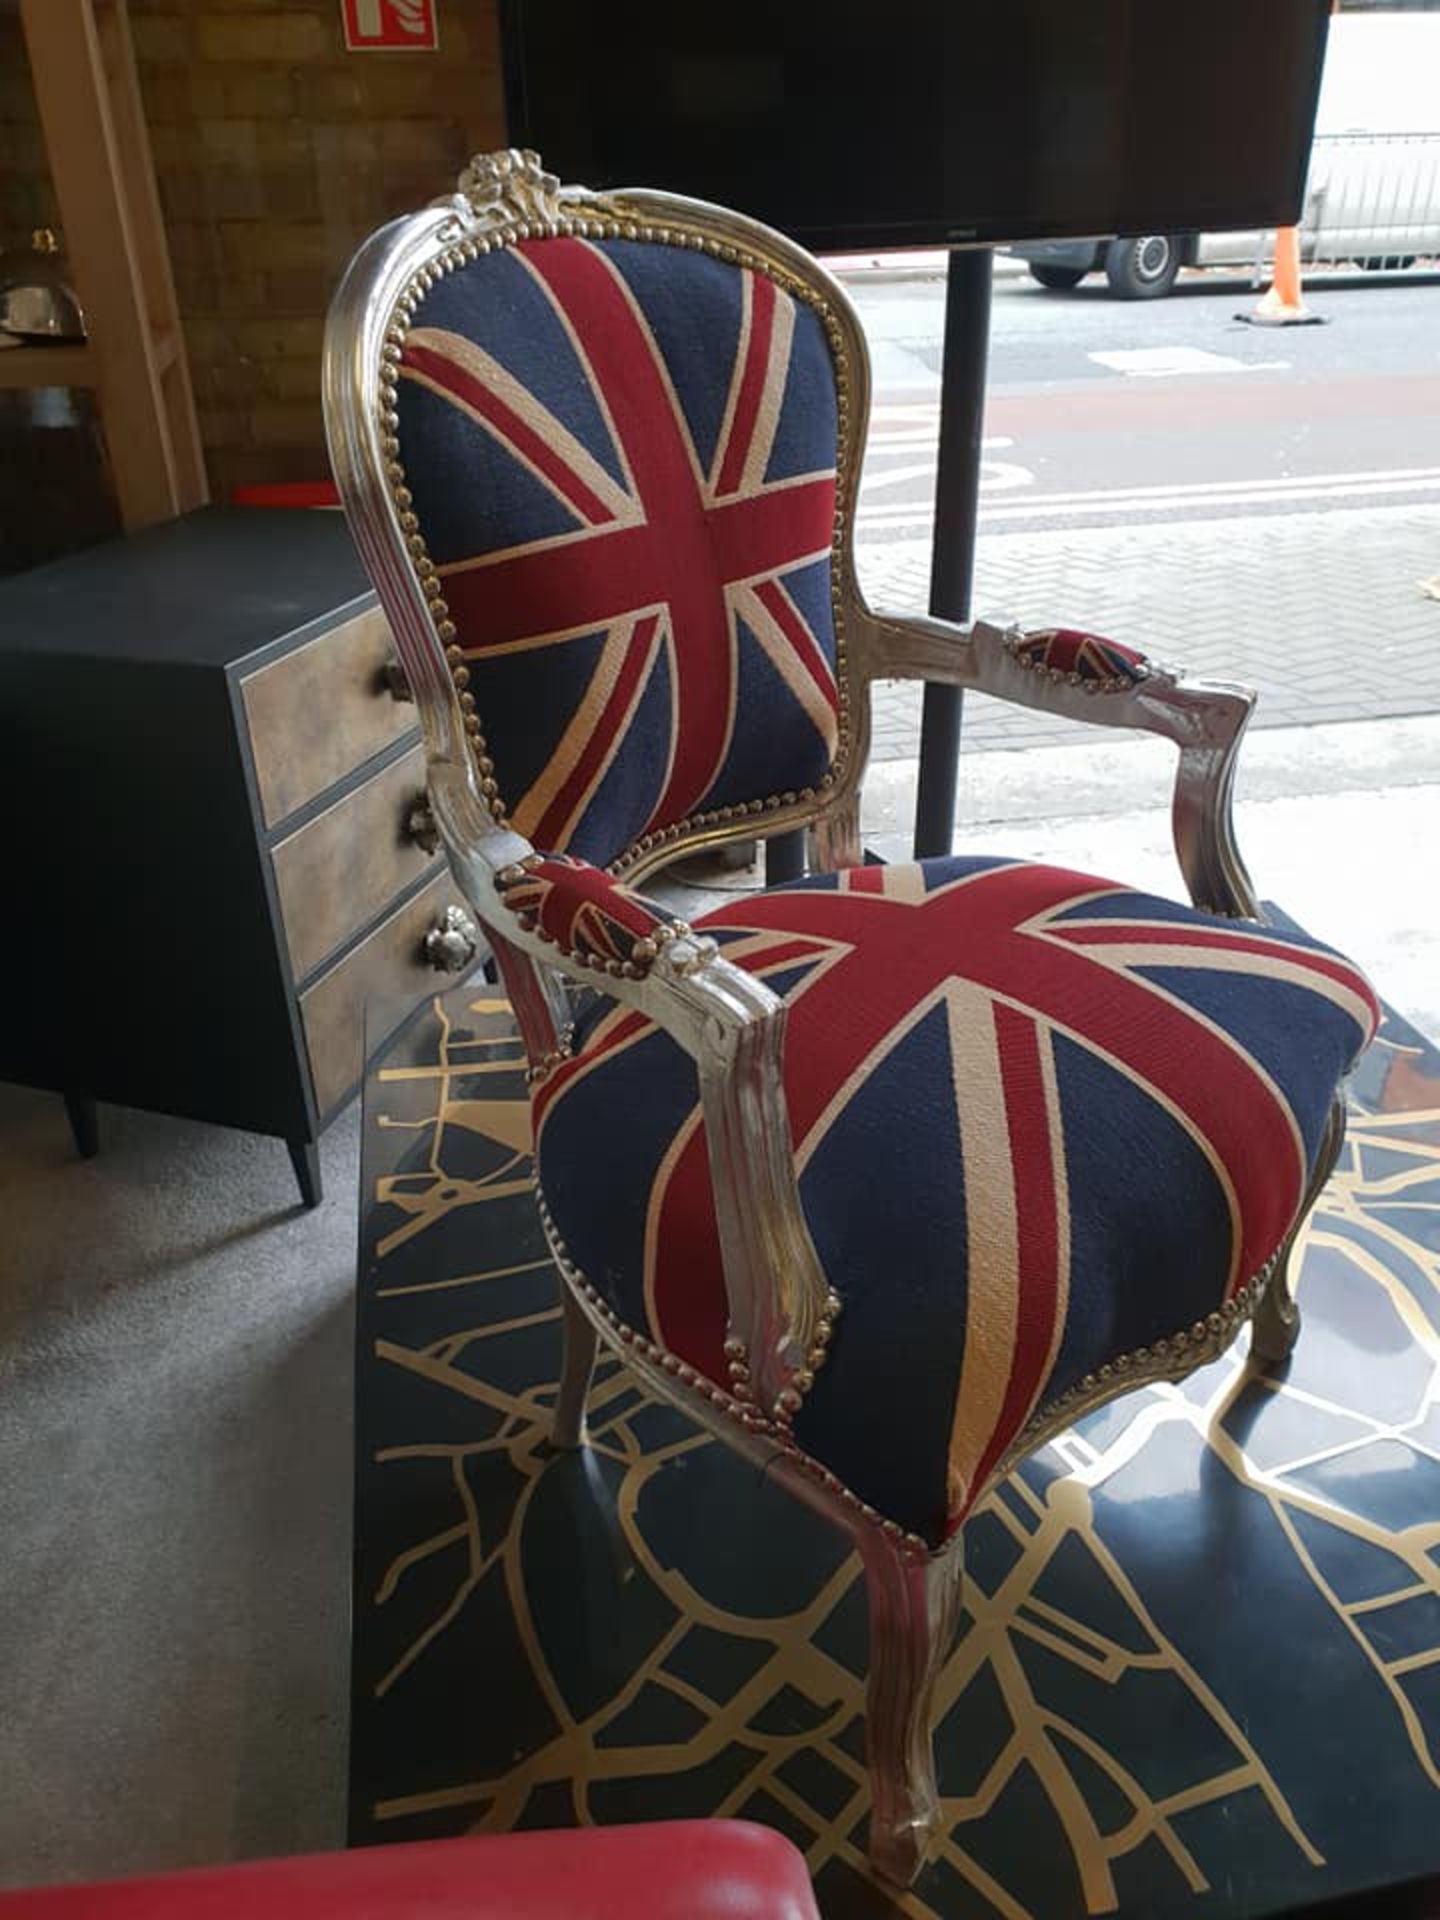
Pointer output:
1142, 269
1059, 279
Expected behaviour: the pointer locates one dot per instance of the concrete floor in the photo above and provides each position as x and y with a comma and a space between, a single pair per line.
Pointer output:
176, 1354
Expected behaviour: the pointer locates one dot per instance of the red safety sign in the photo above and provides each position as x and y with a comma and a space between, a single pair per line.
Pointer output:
390, 23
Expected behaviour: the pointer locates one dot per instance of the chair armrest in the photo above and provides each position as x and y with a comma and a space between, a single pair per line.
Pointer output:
557, 909
597, 923
1083, 676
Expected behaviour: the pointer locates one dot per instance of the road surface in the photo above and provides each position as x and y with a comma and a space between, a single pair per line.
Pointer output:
1104, 412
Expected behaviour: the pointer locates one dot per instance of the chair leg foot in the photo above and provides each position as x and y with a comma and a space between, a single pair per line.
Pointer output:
305, 1164
576, 1365
84, 1124
1276, 1324
914, 1611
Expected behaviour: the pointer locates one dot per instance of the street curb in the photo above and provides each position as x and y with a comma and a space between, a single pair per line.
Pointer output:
904, 268
1094, 779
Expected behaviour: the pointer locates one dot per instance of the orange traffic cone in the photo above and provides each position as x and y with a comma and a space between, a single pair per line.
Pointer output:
1282, 305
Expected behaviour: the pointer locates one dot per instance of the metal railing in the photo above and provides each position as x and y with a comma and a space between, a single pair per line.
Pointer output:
1372, 198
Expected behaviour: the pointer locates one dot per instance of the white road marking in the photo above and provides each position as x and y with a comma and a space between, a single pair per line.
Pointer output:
888, 440
893, 476
996, 476
901, 442
1169, 503
1160, 363
1300, 488
1003, 476
1283, 483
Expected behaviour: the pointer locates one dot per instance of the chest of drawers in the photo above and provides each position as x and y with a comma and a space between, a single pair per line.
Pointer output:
217, 847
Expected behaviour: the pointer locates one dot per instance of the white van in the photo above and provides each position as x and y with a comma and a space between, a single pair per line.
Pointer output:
1373, 191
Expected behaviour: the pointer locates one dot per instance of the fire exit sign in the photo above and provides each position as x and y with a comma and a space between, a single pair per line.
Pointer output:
403, 24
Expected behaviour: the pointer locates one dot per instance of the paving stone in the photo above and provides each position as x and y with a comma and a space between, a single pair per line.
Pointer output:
1321, 612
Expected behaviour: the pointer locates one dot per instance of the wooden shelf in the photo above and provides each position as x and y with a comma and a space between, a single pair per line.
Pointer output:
82, 64
68, 364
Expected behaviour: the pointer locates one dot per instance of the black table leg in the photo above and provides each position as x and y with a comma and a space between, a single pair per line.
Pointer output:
957, 504
785, 858
84, 1124
305, 1159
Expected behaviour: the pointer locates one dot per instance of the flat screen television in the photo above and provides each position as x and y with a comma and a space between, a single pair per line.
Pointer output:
907, 123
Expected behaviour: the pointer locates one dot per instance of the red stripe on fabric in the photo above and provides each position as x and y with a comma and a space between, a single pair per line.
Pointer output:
681, 554
764, 533
578, 586
865, 880
691, 1305
752, 383
776, 957
1037, 1219
782, 611
526, 441
565, 892
1121, 933
636, 665
585, 584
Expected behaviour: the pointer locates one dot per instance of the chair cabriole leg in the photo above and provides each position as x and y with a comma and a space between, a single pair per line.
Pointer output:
1275, 1326
914, 1610
576, 1365
1276, 1323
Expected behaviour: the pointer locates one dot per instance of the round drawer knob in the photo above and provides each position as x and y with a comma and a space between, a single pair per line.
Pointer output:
395, 681
453, 942
421, 827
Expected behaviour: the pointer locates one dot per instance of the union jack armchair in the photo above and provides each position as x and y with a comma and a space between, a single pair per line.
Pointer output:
887, 1175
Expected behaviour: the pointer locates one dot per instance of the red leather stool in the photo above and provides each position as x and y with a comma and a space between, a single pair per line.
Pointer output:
673, 1870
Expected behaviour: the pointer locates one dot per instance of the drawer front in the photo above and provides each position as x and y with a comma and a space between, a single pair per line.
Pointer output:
389, 964
340, 869
320, 711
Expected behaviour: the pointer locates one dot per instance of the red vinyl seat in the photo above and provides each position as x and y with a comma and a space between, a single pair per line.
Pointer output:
673, 1870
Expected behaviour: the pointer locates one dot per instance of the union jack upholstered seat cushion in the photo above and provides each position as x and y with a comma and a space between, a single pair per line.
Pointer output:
619, 459
1040, 1122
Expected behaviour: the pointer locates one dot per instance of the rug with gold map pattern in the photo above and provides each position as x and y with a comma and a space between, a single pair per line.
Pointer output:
1199, 1670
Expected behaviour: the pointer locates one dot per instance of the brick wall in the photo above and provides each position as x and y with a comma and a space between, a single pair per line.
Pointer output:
276, 153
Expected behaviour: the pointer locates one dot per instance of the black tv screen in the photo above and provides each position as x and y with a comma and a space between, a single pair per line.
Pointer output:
926, 122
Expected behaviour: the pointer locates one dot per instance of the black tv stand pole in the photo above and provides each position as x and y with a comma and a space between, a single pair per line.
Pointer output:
957, 500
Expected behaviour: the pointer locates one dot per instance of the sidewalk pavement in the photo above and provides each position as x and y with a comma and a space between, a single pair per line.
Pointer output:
1323, 613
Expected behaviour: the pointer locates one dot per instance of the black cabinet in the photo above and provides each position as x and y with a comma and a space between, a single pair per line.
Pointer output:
212, 795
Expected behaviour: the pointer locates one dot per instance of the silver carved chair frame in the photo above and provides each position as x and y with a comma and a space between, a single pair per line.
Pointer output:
780, 1306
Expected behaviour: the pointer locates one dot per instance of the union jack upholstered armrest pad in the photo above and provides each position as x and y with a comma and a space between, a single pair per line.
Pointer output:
1082, 659
594, 920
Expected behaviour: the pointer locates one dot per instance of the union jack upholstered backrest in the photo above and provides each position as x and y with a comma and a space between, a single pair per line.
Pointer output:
617, 450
